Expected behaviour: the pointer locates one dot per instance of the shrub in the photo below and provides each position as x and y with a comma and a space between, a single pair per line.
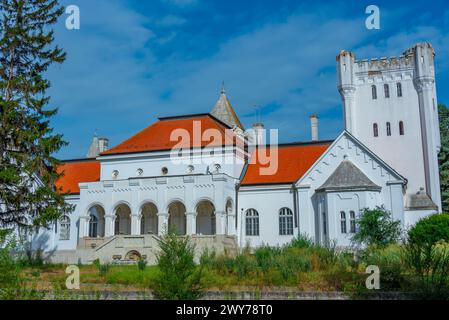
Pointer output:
430, 267
390, 263
430, 230
376, 227
103, 269
301, 241
141, 264
208, 258
179, 278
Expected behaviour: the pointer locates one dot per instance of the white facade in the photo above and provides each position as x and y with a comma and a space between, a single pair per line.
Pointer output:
202, 194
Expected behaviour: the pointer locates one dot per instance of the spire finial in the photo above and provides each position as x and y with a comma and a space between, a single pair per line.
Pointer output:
223, 91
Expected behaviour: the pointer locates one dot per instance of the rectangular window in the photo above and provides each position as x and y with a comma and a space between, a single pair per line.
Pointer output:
399, 89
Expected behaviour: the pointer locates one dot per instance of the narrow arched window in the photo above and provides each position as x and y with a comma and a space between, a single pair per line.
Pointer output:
387, 90
64, 230
388, 129
343, 221
374, 92
352, 222
401, 128
375, 130
399, 89
93, 226
252, 222
285, 222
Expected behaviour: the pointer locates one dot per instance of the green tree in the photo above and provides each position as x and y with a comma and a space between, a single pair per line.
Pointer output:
179, 277
444, 155
377, 227
27, 166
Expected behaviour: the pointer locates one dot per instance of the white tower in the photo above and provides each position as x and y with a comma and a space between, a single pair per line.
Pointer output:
390, 105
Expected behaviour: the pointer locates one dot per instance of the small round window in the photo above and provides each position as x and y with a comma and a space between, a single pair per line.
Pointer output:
115, 174
139, 171
164, 171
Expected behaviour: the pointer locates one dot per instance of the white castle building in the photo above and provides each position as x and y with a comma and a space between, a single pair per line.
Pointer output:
204, 176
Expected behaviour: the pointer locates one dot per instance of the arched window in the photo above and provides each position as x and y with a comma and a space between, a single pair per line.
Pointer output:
374, 92
93, 226
401, 128
352, 222
388, 129
399, 89
343, 221
285, 222
64, 231
387, 90
252, 222
375, 130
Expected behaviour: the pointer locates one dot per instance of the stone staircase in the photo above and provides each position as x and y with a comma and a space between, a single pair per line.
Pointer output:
123, 249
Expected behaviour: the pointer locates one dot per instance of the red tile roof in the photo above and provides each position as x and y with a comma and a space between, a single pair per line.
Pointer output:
75, 172
158, 136
293, 163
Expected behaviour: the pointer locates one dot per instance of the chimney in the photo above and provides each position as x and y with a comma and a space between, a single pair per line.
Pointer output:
314, 127
258, 134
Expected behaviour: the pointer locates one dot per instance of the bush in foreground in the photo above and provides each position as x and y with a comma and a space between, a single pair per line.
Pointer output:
179, 278
377, 227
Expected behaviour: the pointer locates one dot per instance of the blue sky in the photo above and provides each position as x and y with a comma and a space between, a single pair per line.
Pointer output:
133, 61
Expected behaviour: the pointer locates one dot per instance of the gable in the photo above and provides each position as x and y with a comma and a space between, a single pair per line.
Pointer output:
347, 148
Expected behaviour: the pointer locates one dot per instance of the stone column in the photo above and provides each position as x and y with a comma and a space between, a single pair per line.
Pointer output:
135, 224
109, 220
231, 224
191, 223
84, 226
220, 222
162, 223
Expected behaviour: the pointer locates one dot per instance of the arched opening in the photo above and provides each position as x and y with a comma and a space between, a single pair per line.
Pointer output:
122, 220
177, 218
149, 222
133, 255
96, 222
205, 218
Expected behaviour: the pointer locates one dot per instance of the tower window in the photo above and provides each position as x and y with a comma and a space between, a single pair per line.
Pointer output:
388, 129
387, 90
399, 89
375, 130
401, 128
374, 92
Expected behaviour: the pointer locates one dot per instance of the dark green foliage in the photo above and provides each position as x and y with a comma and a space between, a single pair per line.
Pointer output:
179, 277
142, 264
430, 230
376, 227
27, 140
443, 157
